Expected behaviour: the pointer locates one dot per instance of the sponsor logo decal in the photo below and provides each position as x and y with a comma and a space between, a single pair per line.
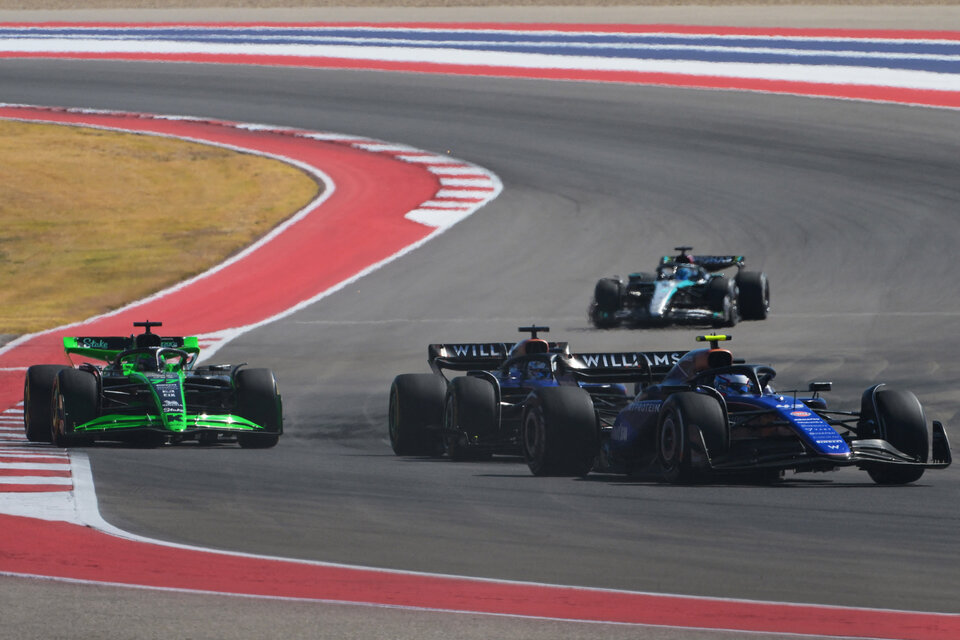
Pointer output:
94, 343
800, 414
477, 350
618, 360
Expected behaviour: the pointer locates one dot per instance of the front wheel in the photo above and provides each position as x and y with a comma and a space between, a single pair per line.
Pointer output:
558, 432
901, 422
723, 300
258, 400
754, 295
74, 403
38, 401
607, 300
684, 417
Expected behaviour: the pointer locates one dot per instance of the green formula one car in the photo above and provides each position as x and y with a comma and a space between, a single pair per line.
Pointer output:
149, 393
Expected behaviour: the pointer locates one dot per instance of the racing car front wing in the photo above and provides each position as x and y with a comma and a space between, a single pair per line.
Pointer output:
863, 453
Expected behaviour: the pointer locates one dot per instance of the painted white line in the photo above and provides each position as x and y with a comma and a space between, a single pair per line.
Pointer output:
466, 182
445, 204
19, 480
384, 147
34, 466
429, 159
453, 171
470, 194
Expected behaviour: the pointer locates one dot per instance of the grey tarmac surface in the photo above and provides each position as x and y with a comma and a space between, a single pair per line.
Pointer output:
849, 207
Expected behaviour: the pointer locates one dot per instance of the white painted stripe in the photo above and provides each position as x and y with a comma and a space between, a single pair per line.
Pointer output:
379, 147
33, 466
445, 204
337, 137
466, 182
429, 159
20, 480
44, 505
452, 171
437, 217
29, 458
471, 194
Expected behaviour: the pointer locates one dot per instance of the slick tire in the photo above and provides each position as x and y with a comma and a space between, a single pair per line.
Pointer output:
558, 432
415, 415
901, 418
683, 418
75, 398
607, 300
258, 400
723, 298
469, 418
754, 296
38, 401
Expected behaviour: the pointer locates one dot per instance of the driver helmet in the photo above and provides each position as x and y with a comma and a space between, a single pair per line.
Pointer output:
538, 370
146, 363
685, 272
735, 384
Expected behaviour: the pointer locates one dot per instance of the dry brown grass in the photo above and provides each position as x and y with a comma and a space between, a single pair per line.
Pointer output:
91, 220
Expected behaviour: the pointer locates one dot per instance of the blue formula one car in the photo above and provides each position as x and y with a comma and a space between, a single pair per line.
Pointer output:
685, 289
710, 416
478, 414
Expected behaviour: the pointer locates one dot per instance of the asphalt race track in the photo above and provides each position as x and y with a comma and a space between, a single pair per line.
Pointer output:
850, 208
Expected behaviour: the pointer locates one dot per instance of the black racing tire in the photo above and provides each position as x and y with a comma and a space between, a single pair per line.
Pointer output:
558, 432
258, 400
607, 300
681, 417
75, 400
754, 295
722, 298
415, 414
38, 400
901, 417
470, 416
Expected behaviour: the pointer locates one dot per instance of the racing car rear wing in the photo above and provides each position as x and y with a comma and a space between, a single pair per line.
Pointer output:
106, 348
472, 356
630, 366
710, 263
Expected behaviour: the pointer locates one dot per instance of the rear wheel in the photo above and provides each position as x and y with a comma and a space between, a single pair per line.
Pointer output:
607, 300
74, 403
416, 414
258, 400
902, 422
558, 432
683, 417
38, 401
754, 295
469, 418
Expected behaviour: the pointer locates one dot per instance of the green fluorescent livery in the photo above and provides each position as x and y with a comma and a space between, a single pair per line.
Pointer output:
149, 392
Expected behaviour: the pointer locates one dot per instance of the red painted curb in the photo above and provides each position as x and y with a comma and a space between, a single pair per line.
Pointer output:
38, 548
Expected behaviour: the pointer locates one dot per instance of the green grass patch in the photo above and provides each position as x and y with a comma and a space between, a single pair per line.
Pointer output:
91, 220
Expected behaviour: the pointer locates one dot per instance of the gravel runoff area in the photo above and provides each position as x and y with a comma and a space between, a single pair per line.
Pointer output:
921, 14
